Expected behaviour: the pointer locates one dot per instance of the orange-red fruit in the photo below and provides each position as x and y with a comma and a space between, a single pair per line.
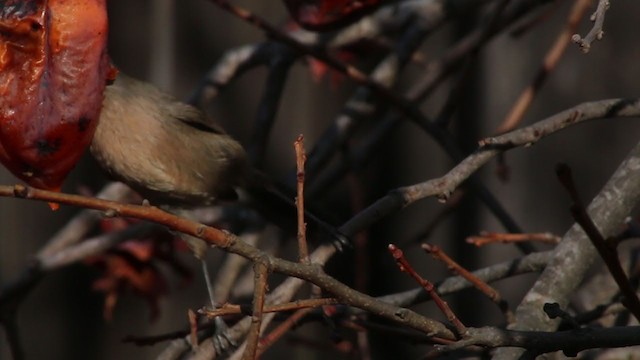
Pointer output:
53, 69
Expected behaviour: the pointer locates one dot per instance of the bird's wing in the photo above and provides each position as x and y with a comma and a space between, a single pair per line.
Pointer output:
195, 118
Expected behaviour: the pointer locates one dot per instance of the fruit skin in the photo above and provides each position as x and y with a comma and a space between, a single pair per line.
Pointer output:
53, 70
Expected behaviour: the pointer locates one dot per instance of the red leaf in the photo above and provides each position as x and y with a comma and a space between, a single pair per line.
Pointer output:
131, 266
121, 272
53, 70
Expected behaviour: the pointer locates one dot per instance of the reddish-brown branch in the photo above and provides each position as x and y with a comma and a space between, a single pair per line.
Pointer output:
405, 266
261, 271
231, 309
111, 208
485, 288
281, 329
606, 252
549, 63
301, 157
487, 237
231, 243
193, 327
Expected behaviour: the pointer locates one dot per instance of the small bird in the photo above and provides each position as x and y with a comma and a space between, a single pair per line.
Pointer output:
166, 150
175, 156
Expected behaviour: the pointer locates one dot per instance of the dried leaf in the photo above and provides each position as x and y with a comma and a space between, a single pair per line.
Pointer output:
131, 266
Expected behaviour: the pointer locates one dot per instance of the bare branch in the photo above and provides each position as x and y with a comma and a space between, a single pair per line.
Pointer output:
549, 63
574, 255
444, 186
485, 288
596, 33
261, 270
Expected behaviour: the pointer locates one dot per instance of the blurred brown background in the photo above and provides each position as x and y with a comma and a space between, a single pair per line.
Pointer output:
174, 43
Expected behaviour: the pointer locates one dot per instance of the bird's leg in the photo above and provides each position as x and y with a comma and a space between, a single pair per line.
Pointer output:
207, 279
221, 341
198, 247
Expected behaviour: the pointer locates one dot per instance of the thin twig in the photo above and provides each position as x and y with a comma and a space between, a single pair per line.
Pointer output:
231, 309
282, 329
487, 237
301, 157
405, 266
527, 264
515, 115
261, 270
283, 293
485, 288
596, 32
193, 327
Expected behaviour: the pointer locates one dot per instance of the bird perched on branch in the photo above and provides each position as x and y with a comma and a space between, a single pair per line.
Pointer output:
174, 155
166, 150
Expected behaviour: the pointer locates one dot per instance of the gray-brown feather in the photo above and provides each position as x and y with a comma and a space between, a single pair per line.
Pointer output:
166, 150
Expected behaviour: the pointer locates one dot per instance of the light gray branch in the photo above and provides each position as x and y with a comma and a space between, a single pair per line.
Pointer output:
575, 254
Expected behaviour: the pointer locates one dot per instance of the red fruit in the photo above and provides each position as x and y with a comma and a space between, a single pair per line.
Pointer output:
326, 15
53, 70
